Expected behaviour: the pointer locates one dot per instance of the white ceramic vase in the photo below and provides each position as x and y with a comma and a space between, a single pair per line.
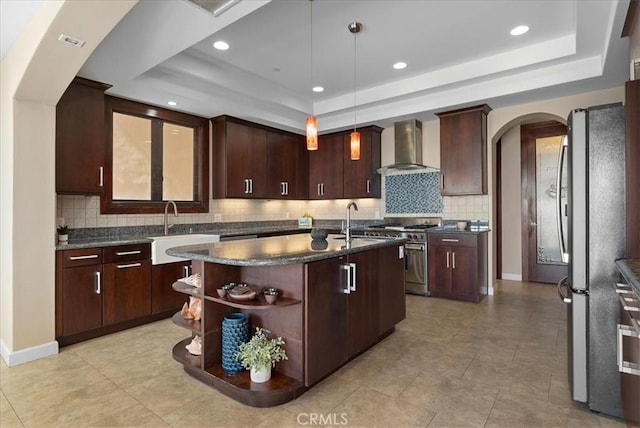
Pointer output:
63, 238
262, 375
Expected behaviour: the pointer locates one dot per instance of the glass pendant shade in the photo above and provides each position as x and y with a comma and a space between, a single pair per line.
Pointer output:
355, 145
312, 133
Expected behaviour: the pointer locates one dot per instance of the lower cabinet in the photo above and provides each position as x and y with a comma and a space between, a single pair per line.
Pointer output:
163, 297
101, 290
355, 303
457, 266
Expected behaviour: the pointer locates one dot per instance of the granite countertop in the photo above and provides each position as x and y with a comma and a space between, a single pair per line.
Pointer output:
630, 270
278, 250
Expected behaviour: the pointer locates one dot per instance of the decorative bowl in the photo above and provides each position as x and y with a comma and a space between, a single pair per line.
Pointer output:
221, 291
319, 244
270, 295
242, 292
319, 233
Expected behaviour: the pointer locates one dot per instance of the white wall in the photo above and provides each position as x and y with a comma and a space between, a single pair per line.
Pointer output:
511, 205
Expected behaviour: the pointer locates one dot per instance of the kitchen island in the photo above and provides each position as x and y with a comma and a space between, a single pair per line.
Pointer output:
336, 300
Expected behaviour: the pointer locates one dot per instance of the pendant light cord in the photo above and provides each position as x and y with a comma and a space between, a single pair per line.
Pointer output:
311, 55
354, 81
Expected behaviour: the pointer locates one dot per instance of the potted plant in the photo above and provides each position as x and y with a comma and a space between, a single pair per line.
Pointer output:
63, 233
260, 354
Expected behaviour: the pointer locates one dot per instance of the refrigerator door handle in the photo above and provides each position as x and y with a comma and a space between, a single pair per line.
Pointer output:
561, 156
566, 298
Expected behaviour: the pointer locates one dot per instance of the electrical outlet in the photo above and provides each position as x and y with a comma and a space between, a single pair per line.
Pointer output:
377, 213
287, 215
217, 217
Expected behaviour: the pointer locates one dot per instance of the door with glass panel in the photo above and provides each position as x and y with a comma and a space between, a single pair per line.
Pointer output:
541, 254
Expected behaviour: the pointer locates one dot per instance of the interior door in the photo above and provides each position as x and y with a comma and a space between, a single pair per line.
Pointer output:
541, 255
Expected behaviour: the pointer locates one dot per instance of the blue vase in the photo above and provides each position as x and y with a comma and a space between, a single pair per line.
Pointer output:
235, 331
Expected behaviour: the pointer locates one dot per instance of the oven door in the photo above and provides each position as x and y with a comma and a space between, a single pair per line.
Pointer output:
416, 269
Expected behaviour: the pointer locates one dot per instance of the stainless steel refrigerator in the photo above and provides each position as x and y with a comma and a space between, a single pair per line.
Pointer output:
592, 159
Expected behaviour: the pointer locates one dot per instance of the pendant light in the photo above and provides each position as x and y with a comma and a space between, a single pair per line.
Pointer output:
311, 122
354, 28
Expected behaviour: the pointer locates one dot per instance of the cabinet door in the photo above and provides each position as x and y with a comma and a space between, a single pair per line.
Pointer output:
360, 177
363, 303
82, 289
463, 152
163, 297
287, 166
326, 324
391, 292
80, 138
464, 273
439, 262
245, 161
326, 168
127, 291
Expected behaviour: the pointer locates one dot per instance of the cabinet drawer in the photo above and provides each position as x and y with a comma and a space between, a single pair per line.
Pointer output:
81, 257
453, 240
125, 253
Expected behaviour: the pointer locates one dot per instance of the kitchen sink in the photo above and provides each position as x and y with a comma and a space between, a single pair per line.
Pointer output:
160, 245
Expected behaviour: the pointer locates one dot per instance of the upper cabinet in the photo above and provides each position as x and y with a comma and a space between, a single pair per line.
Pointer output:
80, 138
332, 173
463, 151
254, 161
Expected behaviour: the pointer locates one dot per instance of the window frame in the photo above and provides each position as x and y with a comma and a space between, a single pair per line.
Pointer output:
200, 125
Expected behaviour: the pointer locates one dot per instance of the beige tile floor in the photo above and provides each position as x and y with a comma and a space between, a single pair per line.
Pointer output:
499, 363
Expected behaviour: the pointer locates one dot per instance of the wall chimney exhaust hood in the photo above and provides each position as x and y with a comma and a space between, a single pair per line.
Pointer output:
407, 149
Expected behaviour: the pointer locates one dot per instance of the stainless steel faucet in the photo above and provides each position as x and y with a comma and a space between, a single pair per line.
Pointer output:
347, 232
166, 221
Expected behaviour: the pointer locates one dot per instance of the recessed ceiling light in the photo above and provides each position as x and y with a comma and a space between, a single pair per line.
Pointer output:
318, 89
221, 46
172, 103
519, 30
400, 65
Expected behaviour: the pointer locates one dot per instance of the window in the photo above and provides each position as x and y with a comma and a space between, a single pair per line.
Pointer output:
154, 155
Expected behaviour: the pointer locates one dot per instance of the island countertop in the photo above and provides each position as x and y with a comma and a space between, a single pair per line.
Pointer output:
279, 250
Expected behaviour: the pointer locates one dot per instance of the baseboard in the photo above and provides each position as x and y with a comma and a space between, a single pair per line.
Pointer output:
512, 276
25, 355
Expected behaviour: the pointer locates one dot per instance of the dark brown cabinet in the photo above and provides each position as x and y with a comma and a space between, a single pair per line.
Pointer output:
78, 291
127, 283
391, 290
362, 301
163, 297
326, 168
80, 138
463, 151
457, 266
287, 166
101, 290
332, 173
254, 161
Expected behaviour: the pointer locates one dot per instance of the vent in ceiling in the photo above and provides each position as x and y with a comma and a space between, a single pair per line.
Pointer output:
215, 7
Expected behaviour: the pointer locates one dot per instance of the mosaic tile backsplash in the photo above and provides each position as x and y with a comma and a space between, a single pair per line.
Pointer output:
413, 193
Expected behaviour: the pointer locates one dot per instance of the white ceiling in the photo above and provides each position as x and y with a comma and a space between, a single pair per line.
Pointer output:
459, 53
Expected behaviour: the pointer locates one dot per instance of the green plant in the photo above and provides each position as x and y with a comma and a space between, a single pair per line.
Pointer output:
260, 352
307, 215
63, 229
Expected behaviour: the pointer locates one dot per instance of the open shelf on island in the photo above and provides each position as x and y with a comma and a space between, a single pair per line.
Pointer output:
192, 325
181, 355
277, 390
185, 288
257, 303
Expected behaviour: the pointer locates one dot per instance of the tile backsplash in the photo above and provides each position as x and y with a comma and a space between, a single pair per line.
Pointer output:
413, 193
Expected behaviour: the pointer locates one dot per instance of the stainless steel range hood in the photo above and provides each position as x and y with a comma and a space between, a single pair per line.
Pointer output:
407, 148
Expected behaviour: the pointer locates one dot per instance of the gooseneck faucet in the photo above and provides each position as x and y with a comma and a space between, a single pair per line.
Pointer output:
166, 221
347, 232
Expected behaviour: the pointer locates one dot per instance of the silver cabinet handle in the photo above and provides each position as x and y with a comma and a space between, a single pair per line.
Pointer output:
447, 260
251, 185
130, 265
563, 284
91, 256
186, 271
318, 190
347, 289
287, 187
352, 267
128, 253
98, 282
626, 306
624, 289
626, 366
101, 176
453, 259
450, 240
563, 150
442, 181
368, 186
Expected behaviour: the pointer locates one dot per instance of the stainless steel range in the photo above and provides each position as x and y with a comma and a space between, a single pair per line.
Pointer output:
413, 229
